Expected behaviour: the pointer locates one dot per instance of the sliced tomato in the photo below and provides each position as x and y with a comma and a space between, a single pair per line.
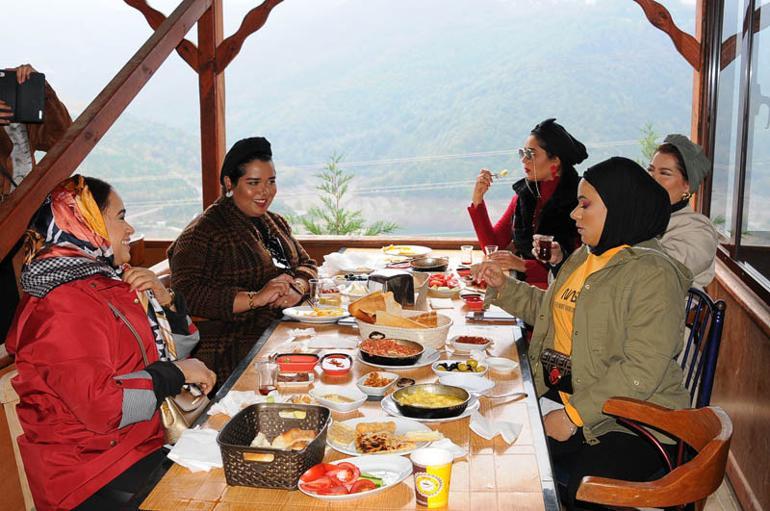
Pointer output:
334, 490
344, 472
314, 472
322, 483
362, 485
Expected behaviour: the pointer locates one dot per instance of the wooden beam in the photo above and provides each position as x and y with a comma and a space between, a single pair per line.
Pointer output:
211, 87
252, 22
155, 18
69, 152
685, 44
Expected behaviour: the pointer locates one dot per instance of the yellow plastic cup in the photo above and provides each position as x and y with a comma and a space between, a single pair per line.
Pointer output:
432, 470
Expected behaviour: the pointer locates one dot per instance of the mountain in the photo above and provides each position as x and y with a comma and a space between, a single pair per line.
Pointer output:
417, 96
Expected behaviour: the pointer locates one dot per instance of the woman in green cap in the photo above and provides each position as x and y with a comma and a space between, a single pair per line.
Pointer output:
680, 166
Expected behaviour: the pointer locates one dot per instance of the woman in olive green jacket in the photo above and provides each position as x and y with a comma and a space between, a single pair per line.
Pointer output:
616, 310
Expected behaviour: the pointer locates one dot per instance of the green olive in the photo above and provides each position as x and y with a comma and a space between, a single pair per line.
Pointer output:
462, 367
473, 363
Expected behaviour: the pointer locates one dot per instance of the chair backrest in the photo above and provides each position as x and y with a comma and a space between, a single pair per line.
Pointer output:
705, 320
707, 430
9, 399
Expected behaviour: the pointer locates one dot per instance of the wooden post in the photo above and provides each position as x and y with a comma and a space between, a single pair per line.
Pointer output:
68, 153
211, 85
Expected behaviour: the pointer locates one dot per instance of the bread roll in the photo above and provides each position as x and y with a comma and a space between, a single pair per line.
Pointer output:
287, 439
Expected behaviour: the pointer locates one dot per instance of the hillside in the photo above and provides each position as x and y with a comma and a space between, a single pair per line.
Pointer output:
442, 80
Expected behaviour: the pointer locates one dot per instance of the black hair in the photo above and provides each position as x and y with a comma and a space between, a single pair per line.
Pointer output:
544, 146
100, 190
237, 171
667, 148
241, 154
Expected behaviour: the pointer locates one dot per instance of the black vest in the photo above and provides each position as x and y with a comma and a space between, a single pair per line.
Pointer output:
554, 217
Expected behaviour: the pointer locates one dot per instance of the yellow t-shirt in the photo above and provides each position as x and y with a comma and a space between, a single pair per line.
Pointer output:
564, 311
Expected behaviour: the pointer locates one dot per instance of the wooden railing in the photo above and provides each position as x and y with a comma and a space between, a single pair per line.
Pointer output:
209, 59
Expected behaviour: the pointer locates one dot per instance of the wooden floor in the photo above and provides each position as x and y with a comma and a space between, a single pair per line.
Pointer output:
723, 500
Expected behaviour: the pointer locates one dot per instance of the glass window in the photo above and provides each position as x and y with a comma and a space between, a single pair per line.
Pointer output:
728, 114
755, 238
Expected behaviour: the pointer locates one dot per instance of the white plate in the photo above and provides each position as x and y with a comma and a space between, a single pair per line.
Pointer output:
390, 467
389, 406
357, 269
301, 314
406, 250
356, 395
357, 293
429, 355
501, 364
403, 425
377, 391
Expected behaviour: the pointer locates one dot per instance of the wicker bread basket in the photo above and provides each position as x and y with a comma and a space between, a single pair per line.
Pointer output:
266, 467
432, 337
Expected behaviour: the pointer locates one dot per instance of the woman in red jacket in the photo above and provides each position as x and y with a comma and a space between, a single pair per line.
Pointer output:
542, 202
88, 404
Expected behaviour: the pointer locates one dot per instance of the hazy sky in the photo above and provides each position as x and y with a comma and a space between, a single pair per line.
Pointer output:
81, 44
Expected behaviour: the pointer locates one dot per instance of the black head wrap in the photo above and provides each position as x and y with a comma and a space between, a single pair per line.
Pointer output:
560, 143
638, 208
243, 151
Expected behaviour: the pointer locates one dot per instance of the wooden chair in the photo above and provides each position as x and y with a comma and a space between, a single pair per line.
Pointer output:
9, 400
706, 430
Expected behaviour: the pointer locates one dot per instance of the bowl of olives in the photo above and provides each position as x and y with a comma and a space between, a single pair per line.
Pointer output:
466, 366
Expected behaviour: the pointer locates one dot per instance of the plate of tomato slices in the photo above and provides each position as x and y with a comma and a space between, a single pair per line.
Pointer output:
443, 285
353, 478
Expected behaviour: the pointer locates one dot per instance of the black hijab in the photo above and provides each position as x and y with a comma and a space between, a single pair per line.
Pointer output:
638, 208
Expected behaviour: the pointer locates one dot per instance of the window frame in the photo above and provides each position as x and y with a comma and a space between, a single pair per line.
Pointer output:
730, 251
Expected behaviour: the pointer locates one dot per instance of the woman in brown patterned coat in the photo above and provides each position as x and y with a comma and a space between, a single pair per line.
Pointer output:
237, 265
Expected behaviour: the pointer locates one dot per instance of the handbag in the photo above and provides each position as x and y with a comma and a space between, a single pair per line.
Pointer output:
557, 370
178, 413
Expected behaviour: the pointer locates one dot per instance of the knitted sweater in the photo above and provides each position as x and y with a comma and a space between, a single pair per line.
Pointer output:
219, 254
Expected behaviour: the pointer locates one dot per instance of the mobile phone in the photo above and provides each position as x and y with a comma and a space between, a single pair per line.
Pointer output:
26, 100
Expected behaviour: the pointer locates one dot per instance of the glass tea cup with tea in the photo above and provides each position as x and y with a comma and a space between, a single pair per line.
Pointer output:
543, 244
267, 376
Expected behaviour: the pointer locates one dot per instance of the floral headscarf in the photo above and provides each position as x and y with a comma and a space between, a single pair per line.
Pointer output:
67, 240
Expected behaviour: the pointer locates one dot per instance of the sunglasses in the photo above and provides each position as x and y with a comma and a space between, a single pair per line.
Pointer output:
526, 152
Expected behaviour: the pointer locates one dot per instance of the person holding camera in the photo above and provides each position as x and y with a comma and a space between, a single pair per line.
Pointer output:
18, 143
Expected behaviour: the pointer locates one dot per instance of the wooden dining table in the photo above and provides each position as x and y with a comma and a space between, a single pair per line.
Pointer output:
494, 475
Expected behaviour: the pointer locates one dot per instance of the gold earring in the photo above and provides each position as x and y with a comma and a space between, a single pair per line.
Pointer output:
686, 196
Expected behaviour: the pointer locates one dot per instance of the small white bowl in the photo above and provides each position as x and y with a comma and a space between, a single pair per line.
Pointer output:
467, 381
467, 347
356, 395
501, 364
377, 391
439, 372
